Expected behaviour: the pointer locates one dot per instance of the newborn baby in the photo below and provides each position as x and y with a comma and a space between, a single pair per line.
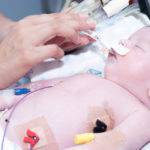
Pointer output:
72, 106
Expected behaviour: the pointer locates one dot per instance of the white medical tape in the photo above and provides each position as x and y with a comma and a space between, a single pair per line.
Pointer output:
120, 49
115, 6
7, 96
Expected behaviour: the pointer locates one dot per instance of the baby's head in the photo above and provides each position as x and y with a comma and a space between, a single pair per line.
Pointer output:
132, 71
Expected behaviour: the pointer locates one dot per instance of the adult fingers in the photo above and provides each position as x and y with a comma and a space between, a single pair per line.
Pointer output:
45, 33
68, 29
44, 18
41, 19
84, 22
84, 40
70, 46
57, 40
48, 51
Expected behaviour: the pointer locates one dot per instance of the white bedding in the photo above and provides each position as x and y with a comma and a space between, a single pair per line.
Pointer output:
147, 147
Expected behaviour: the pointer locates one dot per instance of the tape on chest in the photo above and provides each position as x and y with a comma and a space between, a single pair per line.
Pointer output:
41, 128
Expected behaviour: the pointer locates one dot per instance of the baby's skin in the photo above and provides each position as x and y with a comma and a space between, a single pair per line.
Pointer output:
67, 107
73, 105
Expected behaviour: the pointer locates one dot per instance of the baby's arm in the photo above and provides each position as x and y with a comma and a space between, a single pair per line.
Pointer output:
130, 134
136, 129
8, 98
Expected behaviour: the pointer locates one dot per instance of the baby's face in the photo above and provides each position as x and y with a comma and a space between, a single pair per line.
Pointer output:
136, 64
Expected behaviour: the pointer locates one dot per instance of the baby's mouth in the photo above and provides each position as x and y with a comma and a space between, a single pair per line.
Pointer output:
112, 57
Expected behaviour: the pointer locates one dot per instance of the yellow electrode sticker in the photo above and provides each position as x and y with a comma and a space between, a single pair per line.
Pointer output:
84, 138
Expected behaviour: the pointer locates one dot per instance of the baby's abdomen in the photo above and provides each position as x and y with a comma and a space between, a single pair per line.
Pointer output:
67, 114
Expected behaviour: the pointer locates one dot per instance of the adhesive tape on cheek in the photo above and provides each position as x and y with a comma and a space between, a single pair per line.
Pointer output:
120, 49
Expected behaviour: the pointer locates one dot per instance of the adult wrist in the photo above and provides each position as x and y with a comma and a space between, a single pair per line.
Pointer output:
5, 26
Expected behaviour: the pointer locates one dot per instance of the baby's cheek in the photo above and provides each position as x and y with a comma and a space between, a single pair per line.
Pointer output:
137, 71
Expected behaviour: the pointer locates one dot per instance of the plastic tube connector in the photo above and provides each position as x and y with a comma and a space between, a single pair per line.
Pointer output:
20, 91
84, 138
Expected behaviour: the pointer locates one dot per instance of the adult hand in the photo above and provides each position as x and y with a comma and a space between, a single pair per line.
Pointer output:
29, 42
5, 26
67, 44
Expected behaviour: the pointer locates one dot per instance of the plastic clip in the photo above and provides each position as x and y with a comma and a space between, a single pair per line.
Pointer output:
32, 138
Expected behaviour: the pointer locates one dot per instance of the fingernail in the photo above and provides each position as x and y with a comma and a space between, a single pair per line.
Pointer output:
91, 22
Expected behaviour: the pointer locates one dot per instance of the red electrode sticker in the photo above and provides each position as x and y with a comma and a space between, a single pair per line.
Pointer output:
40, 128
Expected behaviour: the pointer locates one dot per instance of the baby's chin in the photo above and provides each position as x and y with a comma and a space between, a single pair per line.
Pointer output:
111, 73
108, 71
110, 67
